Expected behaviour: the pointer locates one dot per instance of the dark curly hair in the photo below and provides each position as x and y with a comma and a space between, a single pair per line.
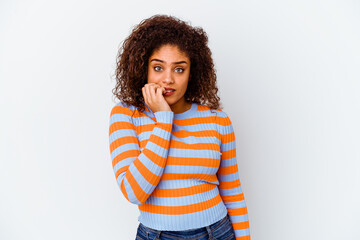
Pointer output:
149, 35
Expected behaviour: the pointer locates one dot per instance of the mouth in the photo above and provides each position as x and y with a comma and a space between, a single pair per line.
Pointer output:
168, 90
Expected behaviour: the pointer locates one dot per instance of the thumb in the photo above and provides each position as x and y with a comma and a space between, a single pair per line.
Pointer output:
161, 91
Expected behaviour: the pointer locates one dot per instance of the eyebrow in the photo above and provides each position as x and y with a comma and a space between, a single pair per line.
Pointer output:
155, 59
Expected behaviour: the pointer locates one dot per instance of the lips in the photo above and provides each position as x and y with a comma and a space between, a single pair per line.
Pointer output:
169, 90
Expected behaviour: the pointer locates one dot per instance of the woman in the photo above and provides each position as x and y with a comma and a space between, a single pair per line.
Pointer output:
172, 148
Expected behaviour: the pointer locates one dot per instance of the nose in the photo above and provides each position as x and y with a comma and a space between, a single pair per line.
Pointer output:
168, 78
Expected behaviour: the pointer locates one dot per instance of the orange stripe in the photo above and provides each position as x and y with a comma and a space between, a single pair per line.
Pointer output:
164, 143
205, 133
237, 211
150, 127
180, 176
147, 127
226, 138
194, 146
194, 121
143, 143
229, 185
181, 192
124, 155
177, 210
241, 225
139, 193
243, 238
233, 198
123, 189
184, 161
165, 126
119, 126
121, 110
157, 159
228, 170
146, 173
121, 141
144, 114
224, 121
228, 154
121, 170
206, 108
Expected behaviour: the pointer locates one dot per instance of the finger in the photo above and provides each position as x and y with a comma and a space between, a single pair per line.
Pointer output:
148, 93
154, 84
157, 88
160, 91
152, 93
144, 95
150, 84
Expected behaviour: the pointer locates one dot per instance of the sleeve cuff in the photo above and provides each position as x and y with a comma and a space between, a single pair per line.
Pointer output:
164, 116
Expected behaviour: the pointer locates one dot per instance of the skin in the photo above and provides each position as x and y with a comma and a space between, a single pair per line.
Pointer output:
167, 67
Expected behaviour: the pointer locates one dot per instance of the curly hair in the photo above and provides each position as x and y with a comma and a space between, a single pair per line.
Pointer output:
148, 36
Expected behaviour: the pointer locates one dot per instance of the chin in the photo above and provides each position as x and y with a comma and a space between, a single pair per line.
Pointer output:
172, 102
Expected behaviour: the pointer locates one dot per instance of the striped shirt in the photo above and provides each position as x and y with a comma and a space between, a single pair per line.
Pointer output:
180, 169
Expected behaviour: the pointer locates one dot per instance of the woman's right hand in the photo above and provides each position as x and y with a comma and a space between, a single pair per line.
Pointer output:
154, 99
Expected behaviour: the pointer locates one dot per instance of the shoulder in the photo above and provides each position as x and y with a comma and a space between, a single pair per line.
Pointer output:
123, 108
213, 112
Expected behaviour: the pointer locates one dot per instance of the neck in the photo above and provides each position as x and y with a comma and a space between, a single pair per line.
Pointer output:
180, 106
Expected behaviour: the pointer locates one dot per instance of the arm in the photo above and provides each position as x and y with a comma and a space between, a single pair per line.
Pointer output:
138, 172
229, 182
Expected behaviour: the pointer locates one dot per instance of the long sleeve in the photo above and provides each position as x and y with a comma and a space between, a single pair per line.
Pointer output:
138, 171
229, 182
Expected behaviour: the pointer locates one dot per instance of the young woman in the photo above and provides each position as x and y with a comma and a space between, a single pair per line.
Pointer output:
172, 148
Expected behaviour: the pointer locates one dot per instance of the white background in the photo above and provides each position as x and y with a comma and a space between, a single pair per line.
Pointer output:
288, 74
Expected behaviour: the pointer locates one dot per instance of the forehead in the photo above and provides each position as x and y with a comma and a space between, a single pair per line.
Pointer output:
170, 52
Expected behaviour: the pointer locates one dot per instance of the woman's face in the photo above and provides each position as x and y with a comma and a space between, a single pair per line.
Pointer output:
170, 68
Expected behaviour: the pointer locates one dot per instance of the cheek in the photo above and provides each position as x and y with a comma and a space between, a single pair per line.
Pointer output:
153, 77
150, 78
185, 83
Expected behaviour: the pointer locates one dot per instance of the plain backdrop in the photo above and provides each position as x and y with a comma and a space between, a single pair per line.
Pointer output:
288, 74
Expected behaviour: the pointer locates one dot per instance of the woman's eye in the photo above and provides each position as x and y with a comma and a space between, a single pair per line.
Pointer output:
180, 70
157, 68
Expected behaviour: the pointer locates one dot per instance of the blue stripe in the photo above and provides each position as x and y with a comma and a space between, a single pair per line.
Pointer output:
231, 191
144, 120
155, 169
124, 148
156, 148
193, 140
176, 152
144, 184
241, 233
118, 117
241, 218
182, 201
159, 132
195, 127
183, 183
190, 169
228, 162
183, 222
234, 205
121, 133
129, 191
228, 146
228, 177
123, 163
